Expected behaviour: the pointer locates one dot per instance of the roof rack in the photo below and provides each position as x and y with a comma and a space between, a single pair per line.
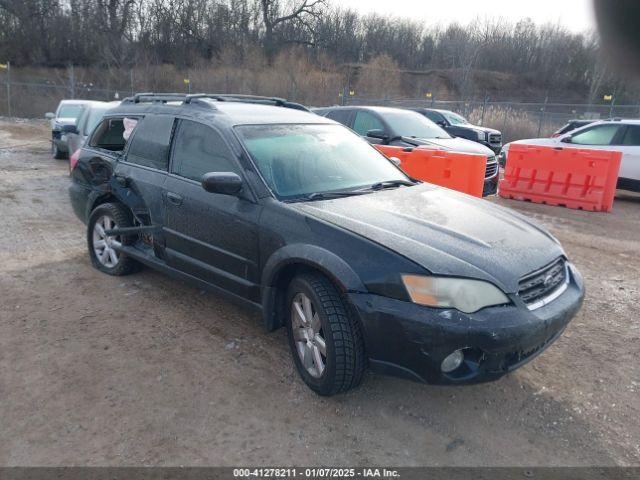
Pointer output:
187, 99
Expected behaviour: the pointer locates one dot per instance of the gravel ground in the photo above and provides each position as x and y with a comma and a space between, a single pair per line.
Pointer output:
143, 370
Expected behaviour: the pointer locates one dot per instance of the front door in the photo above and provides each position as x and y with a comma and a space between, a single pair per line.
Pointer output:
211, 236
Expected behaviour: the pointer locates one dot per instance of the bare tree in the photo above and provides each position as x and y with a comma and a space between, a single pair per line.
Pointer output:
274, 15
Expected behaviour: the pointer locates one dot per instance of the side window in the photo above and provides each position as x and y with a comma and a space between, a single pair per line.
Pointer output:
150, 142
109, 135
341, 116
199, 149
433, 116
598, 135
632, 136
366, 121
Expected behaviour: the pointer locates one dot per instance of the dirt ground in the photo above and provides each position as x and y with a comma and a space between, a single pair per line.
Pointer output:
143, 370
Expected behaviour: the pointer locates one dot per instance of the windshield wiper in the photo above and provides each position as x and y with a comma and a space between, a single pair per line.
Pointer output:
329, 195
391, 184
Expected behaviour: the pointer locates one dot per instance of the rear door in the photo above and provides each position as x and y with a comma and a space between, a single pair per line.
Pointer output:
140, 176
630, 147
211, 236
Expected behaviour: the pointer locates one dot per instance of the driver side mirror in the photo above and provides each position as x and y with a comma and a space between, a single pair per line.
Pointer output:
377, 133
568, 139
396, 161
224, 183
49, 116
441, 123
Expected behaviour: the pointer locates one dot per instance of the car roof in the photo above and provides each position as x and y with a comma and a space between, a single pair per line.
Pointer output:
230, 113
372, 108
77, 102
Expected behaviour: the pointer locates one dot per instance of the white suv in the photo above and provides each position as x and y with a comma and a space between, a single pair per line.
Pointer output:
616, 135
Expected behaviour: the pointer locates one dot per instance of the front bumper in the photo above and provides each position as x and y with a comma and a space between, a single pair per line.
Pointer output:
491, 185
411, 341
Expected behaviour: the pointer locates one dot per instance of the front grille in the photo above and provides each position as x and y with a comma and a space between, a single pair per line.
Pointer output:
534, 288
492, 167
495, 138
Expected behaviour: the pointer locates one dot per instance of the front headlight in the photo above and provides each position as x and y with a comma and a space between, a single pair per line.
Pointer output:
468, 296
482, 136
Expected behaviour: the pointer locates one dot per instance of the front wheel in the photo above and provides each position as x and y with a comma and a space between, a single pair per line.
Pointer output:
326, 342
57, 154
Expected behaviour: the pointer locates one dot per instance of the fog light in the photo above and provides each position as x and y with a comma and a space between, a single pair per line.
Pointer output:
452, 362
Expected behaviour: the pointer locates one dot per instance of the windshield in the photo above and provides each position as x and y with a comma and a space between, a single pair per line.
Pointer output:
454, 118
70, 111
412, 124
299, 160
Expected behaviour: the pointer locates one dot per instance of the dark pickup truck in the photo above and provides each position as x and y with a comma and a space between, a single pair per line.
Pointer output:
458, 126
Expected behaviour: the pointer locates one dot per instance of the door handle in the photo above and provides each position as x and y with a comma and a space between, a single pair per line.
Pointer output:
174, 198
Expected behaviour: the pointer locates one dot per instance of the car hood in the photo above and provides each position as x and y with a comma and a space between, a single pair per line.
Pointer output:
478, 127
456, 145
537, 141
446, 232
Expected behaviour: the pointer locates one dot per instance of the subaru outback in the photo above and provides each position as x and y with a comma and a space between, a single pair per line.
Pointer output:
302, 220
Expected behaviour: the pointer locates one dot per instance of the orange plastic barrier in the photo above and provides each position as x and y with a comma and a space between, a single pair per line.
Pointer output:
570, 177
463, 172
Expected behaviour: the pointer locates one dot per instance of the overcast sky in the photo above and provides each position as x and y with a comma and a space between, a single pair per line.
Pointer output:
577, 15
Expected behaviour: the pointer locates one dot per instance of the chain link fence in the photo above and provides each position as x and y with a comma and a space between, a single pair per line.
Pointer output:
33, 97
516, 120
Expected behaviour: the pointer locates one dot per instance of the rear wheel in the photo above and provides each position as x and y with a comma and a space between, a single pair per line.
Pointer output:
103, 247
326, 341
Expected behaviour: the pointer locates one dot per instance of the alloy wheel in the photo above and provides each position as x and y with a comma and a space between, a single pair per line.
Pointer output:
308, 335
104, 245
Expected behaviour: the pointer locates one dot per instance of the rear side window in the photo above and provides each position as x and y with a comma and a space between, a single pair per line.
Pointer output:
598, 135
341, 116
366, 121
433, 116
632, 136
199, 149
109, 135
150, 142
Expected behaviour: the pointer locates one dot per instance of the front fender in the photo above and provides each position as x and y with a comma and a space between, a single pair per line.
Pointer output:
313, 256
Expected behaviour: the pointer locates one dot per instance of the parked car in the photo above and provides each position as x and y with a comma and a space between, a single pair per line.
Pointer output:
396, 126
64, 121
614, 135
90, 117
572, 125
297, 217
460, 127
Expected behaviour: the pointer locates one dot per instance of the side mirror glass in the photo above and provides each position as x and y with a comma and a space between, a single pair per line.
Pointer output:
49, 115
442, 123
377, 133
224, 183
396, 161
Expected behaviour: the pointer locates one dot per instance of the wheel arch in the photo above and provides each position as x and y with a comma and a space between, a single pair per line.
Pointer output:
292, 260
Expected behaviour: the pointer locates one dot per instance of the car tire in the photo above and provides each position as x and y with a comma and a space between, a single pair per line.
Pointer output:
332, 330
103, 256
57, 154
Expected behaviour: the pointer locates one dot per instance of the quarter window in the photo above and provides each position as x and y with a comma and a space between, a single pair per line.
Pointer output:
599, 135
199, 149
366, 121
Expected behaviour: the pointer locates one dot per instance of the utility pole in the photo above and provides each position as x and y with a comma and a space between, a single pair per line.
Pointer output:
9, 88
131, 81
72, 81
